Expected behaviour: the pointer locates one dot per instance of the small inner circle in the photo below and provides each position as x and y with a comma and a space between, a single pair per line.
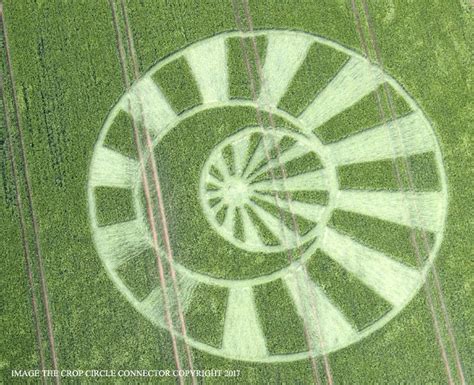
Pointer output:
244, 186
236, 191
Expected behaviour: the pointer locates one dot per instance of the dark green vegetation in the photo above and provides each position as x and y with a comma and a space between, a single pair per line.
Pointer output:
272, 299
67, 79
177, 84
318, 68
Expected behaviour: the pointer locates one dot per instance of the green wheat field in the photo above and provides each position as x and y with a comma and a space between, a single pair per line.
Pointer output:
236, 192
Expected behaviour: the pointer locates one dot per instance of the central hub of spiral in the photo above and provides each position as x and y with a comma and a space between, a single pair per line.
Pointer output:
235, 191
245, 184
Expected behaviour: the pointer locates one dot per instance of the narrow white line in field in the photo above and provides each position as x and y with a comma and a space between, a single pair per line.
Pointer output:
309, 211
335, 329
276, 227
240, 148
150, 107
397, 207
243, 335
278, 73
294, 152
256, 158
377, 143
250, 232
390, 279
208, 62
228, 223
112, 169
314, 180
121, 242
355, 80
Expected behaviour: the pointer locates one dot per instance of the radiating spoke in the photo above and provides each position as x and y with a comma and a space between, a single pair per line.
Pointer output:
110, 168
413, 209
285, 235
390, 279
292, 153
243, 335
278, 73
310, 181
309, 211
211, 194
251, 235
355, 80
240, 149
212, 179
406, 136
217, 207
208, 62
257, 157
229, 220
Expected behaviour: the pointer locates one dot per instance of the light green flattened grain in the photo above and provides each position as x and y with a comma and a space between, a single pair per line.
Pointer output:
318, 68
387, 237
364, 114
357, 302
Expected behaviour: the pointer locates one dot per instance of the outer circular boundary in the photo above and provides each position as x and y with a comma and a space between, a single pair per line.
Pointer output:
278, 357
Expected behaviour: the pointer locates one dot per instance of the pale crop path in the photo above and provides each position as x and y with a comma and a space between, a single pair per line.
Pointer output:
240, 185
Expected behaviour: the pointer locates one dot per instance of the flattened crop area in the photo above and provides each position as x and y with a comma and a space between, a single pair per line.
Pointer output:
270, 190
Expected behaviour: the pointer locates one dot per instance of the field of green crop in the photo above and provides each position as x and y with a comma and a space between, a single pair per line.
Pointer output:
236, 192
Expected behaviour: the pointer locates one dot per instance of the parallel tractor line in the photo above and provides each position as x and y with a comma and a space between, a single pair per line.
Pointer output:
397, 171
161, 207
259, 113
438, 288
42, 275
148, 199
23, 231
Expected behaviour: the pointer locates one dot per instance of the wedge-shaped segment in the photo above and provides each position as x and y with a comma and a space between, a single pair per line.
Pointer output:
229, 219
355, 80
153, 304
121, 242
278, 73
413, 209
243, 335
260, 153
240, 149
402, 137
285, 235
150, 108
208, 62
250, 231
296, 151
326, 324
109, 168
392, 280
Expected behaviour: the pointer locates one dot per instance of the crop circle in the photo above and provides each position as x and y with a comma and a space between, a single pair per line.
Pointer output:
274, 219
